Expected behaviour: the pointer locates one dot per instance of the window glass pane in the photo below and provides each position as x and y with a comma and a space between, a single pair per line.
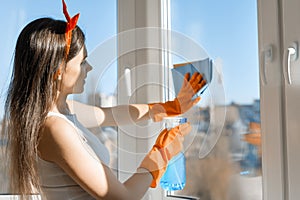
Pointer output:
227, 31
98, 20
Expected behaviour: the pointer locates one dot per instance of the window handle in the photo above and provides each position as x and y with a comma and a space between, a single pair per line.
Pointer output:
291, 54
127, 77
266, 57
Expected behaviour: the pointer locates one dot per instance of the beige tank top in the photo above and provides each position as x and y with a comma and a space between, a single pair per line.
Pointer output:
55, 183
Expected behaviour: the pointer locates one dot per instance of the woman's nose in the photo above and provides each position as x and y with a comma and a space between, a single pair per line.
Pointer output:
88, 67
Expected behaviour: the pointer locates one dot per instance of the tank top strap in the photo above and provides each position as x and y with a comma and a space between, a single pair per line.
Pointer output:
54, 114
50, 114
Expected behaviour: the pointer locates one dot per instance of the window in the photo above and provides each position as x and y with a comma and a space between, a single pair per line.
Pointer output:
227, 31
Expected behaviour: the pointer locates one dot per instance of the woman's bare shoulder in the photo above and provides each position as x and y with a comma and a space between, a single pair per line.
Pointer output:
55, 137
56, 125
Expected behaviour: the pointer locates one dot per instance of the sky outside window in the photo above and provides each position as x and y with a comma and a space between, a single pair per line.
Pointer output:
226, 29
98, 20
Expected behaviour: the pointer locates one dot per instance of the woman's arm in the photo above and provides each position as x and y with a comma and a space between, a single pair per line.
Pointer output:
92, 116
61, 145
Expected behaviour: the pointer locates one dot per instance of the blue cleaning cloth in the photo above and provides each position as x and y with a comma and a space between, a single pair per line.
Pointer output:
204, 67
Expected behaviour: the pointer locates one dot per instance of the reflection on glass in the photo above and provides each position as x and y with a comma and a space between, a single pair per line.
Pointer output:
232, 169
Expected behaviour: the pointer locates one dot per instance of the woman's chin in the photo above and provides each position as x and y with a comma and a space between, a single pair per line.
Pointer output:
78, 90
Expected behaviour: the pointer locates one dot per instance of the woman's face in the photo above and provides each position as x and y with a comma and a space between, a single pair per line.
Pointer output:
73, 78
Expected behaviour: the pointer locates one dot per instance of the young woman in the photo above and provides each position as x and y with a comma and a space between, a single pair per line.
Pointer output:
51, 151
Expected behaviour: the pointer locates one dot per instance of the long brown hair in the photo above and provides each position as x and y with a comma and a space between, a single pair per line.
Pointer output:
39, 51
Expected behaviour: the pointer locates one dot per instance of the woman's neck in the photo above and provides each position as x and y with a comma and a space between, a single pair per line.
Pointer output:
61, 105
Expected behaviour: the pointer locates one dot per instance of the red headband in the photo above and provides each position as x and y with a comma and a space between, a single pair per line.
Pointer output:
71, 24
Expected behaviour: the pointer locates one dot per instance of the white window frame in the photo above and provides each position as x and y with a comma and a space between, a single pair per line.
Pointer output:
270, 98
135, 16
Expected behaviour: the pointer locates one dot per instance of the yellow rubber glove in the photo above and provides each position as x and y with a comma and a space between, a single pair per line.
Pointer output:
168, 144
183, 102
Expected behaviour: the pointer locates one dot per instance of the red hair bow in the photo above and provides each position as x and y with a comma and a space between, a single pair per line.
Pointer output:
71, 24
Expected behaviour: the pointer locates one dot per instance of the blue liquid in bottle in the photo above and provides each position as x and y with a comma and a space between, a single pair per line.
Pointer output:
175, 176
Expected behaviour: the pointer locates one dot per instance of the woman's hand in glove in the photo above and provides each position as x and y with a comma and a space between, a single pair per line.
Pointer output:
183, 102
168, 144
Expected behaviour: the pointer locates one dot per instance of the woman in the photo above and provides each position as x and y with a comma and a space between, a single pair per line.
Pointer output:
51, 151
